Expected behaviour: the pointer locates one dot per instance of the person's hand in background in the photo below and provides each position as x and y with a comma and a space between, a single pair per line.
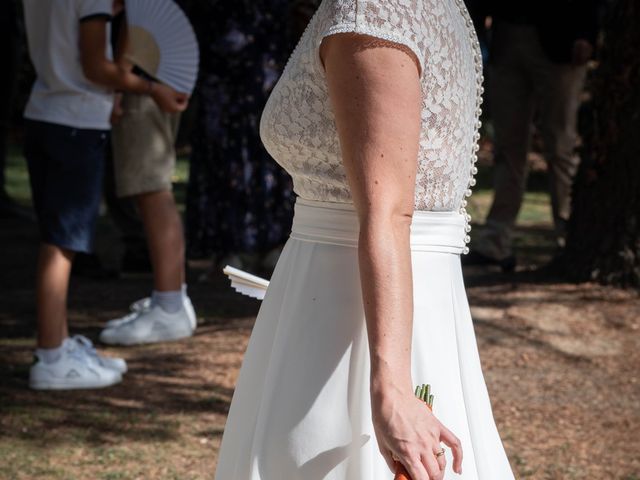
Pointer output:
167, 98
582, 52
116, 111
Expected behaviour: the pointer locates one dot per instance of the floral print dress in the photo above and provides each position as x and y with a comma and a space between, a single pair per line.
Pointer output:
238, 199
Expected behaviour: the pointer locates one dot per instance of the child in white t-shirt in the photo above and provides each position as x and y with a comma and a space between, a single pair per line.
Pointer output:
67, 127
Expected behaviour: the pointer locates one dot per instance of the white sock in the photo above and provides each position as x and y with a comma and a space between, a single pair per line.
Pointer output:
170, 302
184, 291
50, 355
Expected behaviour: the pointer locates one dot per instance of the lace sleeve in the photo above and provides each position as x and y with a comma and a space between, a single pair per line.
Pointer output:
397, 21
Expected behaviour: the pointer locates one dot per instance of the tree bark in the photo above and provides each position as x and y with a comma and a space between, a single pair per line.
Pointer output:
603, 242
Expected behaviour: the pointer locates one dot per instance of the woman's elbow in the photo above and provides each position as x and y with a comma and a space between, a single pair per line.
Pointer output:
397, 218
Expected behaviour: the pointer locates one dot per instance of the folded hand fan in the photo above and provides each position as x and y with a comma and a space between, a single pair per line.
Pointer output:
161, 41
245, 283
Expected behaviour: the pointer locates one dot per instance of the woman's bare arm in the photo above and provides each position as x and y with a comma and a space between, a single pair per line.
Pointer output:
375, 93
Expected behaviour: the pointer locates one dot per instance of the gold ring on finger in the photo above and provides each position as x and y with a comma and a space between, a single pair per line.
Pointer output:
440, 453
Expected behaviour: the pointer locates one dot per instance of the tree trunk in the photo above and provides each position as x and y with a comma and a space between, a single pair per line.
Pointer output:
603, 242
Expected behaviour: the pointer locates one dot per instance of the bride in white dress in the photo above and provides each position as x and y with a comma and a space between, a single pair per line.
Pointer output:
376, 119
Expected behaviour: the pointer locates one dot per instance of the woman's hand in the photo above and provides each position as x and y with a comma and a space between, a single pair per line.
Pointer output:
408, 432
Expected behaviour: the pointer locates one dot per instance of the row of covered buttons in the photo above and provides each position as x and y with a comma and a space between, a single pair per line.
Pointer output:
476, 137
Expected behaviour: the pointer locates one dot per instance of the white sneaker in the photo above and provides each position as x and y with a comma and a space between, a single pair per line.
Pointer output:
117, 364
75, 369
151, 326
141, 305
191, 313
144, 305
137, 307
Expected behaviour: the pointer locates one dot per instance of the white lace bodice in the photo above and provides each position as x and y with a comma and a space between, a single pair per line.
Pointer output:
298, 125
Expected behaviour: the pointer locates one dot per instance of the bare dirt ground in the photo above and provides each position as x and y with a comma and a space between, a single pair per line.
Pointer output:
562, 363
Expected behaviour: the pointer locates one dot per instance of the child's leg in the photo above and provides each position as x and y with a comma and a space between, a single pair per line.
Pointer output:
52, 285
144, 161
165, 239
170, 315
65, 170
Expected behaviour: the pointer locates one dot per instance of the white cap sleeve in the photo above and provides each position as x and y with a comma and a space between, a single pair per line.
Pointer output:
397, 21
93, 8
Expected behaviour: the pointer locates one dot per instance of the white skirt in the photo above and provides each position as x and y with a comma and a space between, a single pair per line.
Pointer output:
301, 409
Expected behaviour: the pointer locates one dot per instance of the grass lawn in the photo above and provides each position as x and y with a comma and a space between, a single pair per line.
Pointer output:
17, 177
17, 183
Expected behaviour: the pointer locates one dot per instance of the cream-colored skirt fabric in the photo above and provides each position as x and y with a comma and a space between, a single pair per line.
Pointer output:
301, 409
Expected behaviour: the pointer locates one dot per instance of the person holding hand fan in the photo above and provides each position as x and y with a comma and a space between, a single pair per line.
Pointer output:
144, 159
66, 134
375, 118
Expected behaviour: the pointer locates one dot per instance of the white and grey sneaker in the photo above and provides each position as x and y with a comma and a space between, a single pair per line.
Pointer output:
191, 313
141, 305
151, 326
144, 305
117, 364
74, 370
135, 308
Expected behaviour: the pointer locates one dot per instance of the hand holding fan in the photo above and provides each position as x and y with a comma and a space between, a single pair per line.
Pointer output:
161, 41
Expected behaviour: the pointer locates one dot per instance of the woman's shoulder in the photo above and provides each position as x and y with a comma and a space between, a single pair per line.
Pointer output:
400, 21
399, 13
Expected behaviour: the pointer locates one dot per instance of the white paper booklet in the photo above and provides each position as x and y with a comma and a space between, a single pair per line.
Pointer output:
245, 283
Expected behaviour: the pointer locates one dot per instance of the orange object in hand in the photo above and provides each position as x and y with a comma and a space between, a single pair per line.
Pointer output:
423, 392
401, 473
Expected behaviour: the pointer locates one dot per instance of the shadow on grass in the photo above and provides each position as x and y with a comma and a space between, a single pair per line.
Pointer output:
147, 406
165, 383
524, 335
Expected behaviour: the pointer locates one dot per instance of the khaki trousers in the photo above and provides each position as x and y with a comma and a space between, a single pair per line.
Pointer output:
522, 82
143, 142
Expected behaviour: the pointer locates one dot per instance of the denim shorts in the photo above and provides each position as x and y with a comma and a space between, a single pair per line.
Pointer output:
66, 167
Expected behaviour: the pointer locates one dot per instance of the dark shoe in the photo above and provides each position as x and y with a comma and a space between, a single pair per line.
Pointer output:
507, 265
